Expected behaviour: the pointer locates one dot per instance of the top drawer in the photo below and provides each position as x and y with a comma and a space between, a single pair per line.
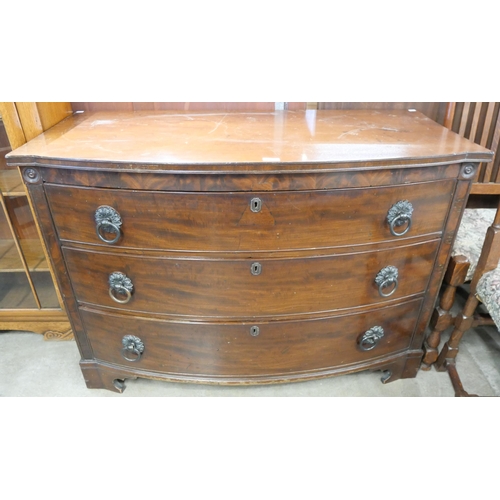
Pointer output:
246, 221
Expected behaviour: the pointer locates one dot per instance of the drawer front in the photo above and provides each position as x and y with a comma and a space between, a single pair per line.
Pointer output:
235, 350
244, 288
246, 221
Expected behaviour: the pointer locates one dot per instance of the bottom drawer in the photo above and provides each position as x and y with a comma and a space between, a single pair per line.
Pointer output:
242, 350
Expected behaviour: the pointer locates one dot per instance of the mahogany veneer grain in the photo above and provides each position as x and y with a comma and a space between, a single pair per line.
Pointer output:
183, 184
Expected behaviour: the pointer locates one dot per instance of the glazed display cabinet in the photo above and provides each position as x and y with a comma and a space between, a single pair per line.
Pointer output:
29, 299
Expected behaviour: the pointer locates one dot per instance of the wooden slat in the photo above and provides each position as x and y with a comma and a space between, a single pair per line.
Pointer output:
479, 123
25, 120
495, 143
12, 124
30, 119
488, 124
449, 114
475, 122
457, 116
464, 119
485, 188
477, 134
488, 130
47, 314
51, 113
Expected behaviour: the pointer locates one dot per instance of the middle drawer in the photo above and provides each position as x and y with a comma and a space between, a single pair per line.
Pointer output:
247, 288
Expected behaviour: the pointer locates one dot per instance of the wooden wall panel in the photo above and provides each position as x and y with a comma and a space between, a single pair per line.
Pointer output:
25, 120
172, 106
30, 119
4, 140
53, 112
12, 124
434, 110
301, 106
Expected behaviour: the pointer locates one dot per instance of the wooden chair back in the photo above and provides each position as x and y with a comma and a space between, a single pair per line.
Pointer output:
479, 122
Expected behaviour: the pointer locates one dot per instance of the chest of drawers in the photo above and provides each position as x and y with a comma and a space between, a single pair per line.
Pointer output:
248, 248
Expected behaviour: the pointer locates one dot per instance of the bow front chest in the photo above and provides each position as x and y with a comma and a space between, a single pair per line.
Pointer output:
248, 247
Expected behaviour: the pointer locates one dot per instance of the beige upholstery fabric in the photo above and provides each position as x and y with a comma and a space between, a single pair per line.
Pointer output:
469, 242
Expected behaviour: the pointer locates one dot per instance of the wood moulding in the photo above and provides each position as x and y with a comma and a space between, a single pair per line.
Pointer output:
59, 330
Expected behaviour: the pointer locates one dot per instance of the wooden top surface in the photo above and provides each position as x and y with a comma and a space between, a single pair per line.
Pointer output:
163, 139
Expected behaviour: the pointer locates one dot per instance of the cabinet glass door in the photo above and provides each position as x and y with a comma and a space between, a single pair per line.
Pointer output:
25, 279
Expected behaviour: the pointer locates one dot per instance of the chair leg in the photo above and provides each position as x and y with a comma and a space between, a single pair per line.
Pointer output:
442, 318
456, 382
447, 356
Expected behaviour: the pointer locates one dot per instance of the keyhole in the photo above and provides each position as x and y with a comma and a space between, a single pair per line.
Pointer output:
256, 204
256, 268
254, 331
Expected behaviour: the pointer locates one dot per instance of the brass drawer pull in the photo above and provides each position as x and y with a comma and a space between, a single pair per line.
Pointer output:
107, 220
119, 283
371, 338
386, 277
132, 345
256, 268
400, 215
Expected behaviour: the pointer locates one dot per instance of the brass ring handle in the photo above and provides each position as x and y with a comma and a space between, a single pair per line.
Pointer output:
132, 344
107, 217
120, 283
386, 277
385, 284
120, 289
137, 353
400, 220
115, 229
399, 215
371, 338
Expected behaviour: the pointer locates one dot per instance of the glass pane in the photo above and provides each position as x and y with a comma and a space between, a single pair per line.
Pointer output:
31, 246
15, 291
10, 178
45, 289
27, 234
9, 256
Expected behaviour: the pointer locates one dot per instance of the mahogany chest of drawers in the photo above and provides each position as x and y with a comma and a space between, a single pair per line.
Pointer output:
248, 247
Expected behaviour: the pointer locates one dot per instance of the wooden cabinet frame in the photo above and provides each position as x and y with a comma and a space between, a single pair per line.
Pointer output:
23, 121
